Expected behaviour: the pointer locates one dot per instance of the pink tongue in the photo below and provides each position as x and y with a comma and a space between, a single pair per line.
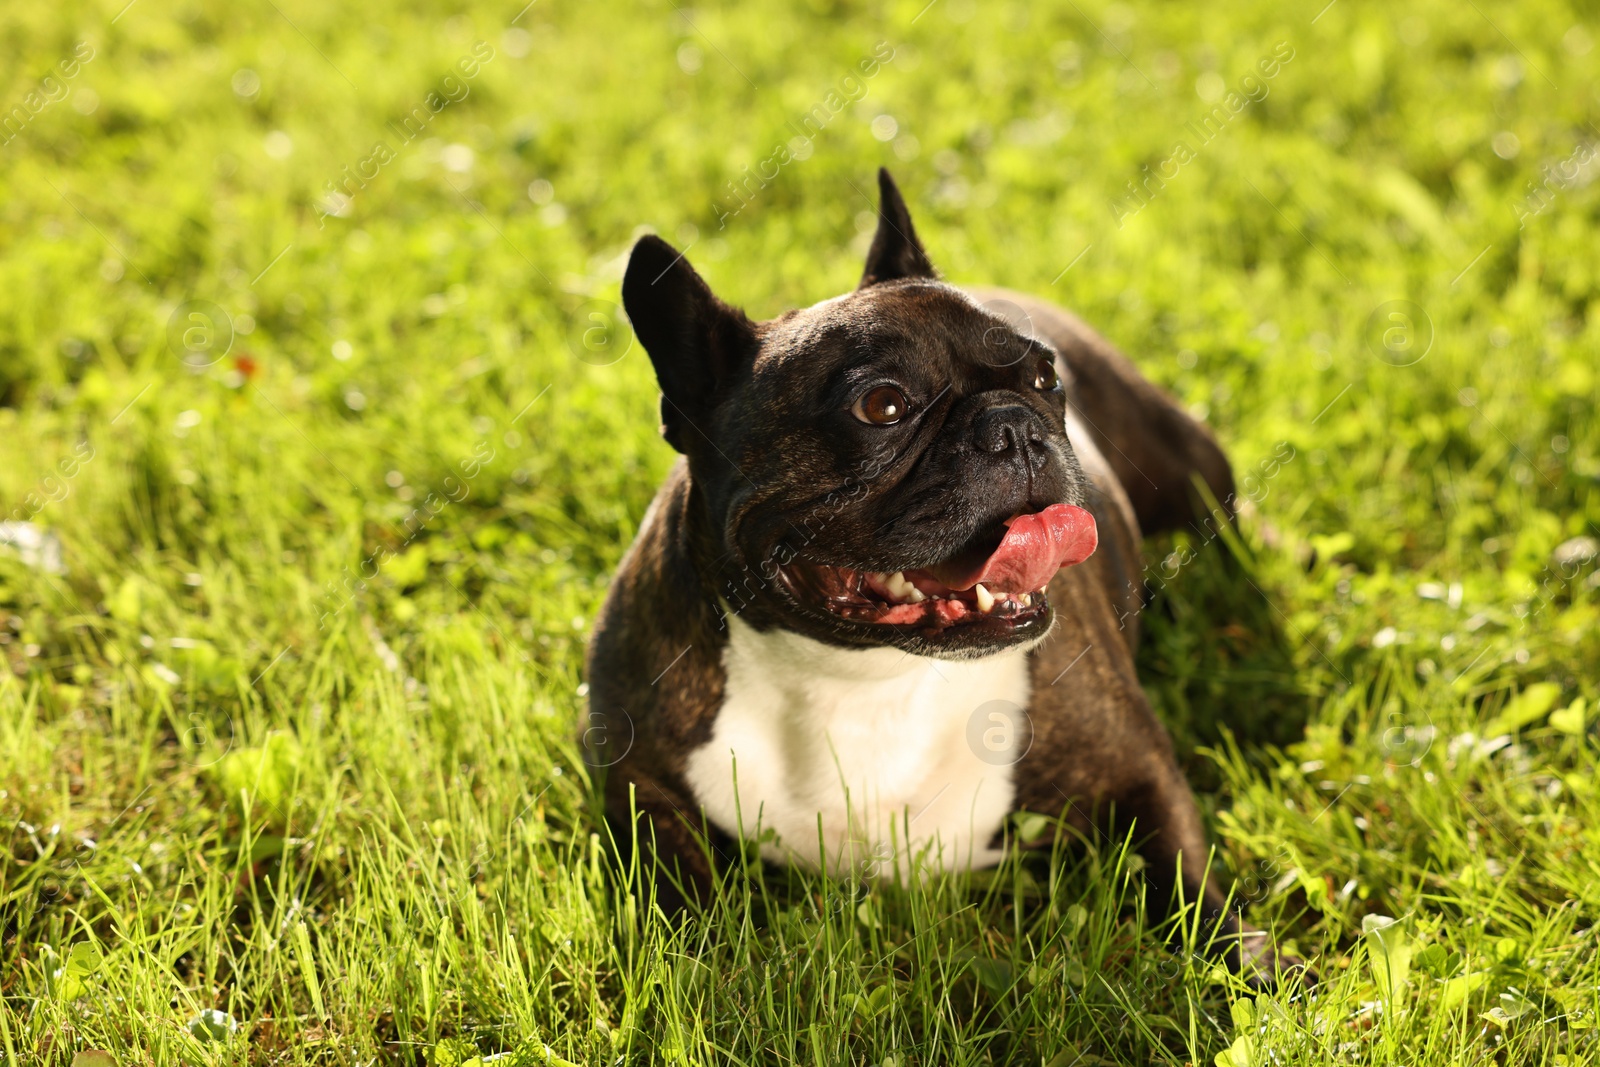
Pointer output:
1034, 548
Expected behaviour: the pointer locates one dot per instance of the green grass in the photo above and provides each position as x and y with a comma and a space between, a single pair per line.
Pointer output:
241, 771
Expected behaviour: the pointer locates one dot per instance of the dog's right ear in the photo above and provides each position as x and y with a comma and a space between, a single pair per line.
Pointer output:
695, 341
896, 252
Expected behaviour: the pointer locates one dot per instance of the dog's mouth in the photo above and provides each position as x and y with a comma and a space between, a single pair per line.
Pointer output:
999, 578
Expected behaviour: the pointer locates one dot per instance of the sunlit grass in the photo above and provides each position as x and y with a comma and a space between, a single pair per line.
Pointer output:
287, 760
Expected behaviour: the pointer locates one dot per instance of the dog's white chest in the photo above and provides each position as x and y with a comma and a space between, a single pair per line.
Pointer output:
847, 755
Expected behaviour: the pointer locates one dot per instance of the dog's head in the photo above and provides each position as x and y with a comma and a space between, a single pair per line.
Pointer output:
889, 467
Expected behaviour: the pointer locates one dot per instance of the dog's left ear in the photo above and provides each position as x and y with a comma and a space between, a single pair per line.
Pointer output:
895, 252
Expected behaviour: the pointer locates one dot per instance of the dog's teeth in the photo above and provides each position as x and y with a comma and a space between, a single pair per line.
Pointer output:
985, 598
1027, 600
901, 588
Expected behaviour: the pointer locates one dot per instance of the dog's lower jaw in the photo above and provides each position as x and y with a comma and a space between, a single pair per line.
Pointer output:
780, 610
933, 650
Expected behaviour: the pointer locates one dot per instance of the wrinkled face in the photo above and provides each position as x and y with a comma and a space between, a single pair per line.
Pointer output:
889, 467
885, 444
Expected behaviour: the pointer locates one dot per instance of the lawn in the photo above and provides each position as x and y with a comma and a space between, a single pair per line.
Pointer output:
301, 385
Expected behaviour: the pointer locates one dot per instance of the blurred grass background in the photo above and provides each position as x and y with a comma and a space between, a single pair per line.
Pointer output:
263, 801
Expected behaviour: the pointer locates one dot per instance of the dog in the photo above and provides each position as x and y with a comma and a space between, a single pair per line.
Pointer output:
889, 594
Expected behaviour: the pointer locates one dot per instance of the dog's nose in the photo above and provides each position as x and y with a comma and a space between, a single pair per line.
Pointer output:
1007, 428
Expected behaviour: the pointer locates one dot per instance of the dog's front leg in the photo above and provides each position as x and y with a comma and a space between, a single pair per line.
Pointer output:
1158, 811
676, 847
1155, 809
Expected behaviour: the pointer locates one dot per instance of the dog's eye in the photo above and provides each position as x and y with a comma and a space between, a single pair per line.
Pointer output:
883, 406
1045, 377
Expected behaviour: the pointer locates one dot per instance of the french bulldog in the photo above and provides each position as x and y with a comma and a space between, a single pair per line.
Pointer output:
889, 594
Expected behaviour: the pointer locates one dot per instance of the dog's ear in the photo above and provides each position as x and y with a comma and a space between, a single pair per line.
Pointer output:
895, 252
695, 340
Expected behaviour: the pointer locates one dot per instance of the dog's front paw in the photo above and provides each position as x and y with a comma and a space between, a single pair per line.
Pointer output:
1258, 960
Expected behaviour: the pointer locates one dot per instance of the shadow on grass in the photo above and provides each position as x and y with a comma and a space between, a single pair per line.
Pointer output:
1214, 655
